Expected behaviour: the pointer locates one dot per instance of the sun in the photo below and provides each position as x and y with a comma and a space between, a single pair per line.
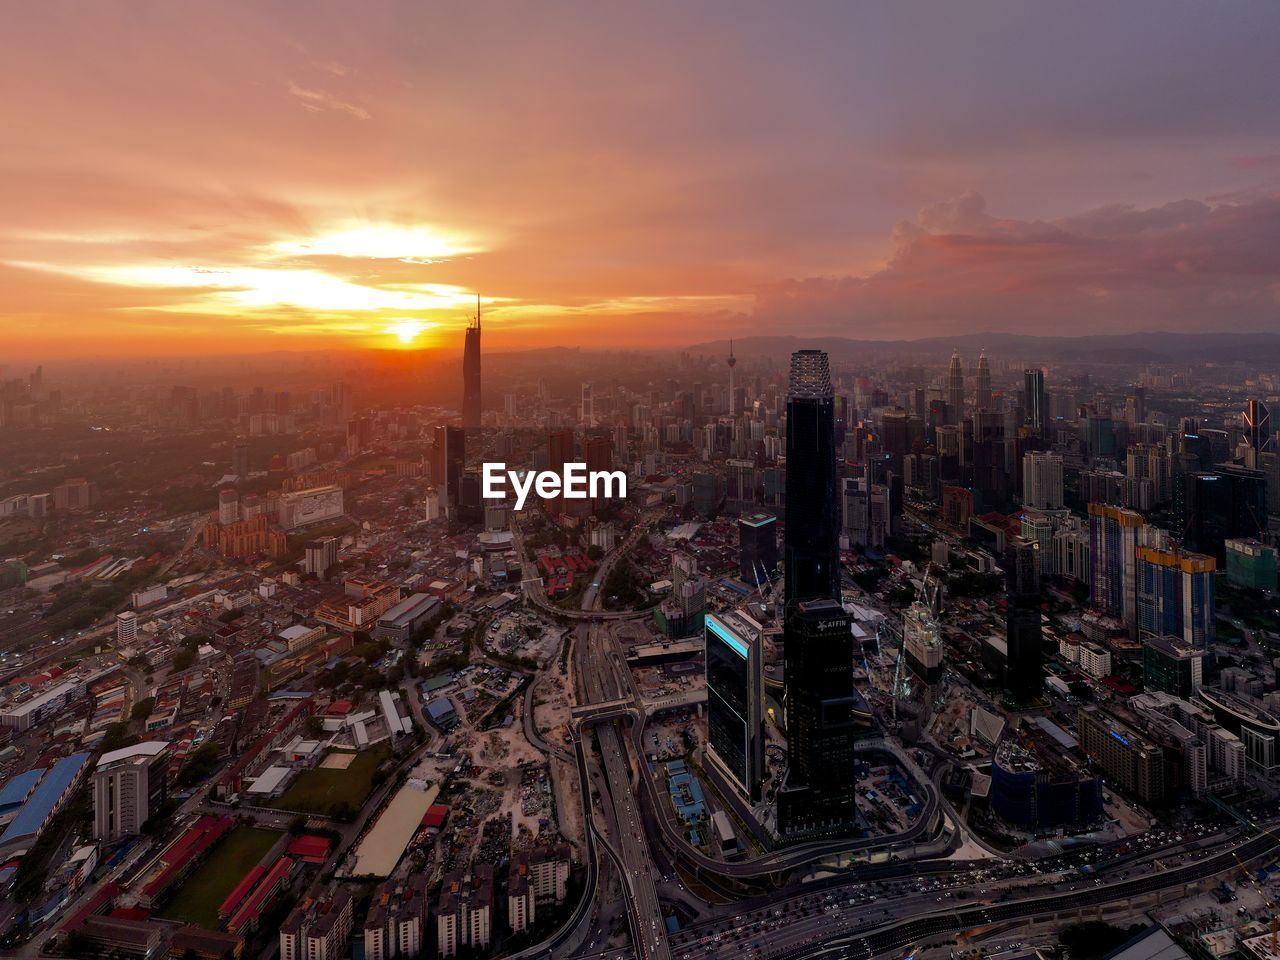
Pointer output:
407, 330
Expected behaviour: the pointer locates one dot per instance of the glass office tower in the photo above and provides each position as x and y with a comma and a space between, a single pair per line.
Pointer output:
817, 797
735, 698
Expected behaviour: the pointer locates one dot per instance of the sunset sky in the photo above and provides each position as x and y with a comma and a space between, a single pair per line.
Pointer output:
233, 177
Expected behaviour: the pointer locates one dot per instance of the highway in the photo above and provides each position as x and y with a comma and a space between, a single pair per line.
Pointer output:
848, 923
535, 592
601, 681
624, 838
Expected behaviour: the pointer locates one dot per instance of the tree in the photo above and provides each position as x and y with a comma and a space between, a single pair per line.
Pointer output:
199, 765
184, 659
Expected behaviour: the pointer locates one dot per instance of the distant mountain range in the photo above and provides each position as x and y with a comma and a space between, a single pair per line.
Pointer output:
1150, 347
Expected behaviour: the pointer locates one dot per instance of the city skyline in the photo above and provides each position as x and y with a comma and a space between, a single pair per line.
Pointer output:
612, 180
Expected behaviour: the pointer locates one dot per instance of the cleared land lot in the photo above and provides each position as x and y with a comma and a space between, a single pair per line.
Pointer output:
328, 791
200, 895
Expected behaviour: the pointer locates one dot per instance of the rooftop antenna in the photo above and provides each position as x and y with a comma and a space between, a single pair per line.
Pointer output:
477, 316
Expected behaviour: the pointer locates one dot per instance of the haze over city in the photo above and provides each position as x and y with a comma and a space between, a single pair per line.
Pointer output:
231, 178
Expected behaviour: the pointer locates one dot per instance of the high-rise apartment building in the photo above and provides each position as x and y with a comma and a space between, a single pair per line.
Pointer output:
1042, 480
128, 787
126, 627
464, 912
1176, 595
1115, 534
240, 461
397, 919
319, 929
320, 556
1150, 461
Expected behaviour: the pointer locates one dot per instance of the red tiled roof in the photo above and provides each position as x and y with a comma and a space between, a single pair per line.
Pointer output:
310, 847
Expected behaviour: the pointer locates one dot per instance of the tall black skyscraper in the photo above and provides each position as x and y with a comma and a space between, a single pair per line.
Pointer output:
824, 719
447, 461
471, 374
823, 711
1229, 502
811, 547
1036, 402
1024, 672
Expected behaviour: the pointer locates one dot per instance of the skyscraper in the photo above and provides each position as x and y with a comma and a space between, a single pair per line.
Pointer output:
757, 547
597, 453
822, 707
982, 396
955, 388
1257, 424
559, 452
735, 700
1176, 595
1041, 481
1023, 668
1036, 402
1114, 537
811, 553
1229, 502
471, 374
587, 409
448, 459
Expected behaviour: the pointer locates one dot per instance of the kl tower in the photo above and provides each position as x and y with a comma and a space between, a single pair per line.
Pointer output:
733, 362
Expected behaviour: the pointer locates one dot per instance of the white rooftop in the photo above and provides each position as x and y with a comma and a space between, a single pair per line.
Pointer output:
148, 748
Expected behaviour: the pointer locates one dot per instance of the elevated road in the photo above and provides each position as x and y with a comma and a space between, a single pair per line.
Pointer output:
831, 935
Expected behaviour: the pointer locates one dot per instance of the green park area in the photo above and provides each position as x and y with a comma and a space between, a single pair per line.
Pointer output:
202, 892
334, 790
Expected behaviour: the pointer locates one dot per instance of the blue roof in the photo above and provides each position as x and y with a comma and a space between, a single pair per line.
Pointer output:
439, 707
31, 818
14, 792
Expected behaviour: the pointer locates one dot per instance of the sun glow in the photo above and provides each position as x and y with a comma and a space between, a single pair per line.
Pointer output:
377, 241
407, 330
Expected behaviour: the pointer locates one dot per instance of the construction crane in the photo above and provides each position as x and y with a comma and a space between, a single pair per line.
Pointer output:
925, 611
